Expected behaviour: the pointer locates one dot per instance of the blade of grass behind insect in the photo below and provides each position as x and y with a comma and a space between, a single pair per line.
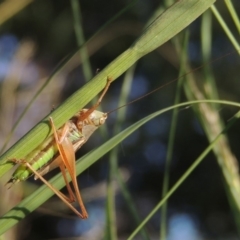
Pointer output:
121, 116
110, 230
210, 86
43, 193
225, 27
131, 205
114, 173
233, 13
171, 22
185, 175
83, 54
182, 49
110, 221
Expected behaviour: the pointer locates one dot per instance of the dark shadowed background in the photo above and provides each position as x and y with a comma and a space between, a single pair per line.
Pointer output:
36, 39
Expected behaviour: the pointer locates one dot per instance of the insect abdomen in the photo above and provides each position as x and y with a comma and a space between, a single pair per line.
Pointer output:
38, 158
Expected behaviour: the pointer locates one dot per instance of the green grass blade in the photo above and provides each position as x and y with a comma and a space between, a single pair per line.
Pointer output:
233, 13
185, 176
81, 40
172, 134
225, 28
121, 116
111, 231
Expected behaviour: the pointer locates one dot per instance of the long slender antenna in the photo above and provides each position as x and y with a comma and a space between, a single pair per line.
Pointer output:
174, 80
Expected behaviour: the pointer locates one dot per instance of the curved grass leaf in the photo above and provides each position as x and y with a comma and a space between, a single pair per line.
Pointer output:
30, 203
184, 176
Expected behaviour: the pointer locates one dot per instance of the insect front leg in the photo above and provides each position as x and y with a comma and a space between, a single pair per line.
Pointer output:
90, 110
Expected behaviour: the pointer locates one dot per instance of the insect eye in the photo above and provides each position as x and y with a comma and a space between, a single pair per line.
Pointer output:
101, 121
80, 124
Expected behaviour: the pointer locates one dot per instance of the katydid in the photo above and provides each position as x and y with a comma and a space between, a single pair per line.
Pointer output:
59, 151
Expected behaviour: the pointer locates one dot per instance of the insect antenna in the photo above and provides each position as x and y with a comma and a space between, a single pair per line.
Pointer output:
172, 81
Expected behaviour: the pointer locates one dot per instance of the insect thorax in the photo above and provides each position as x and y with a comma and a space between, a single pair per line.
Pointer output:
95, 118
